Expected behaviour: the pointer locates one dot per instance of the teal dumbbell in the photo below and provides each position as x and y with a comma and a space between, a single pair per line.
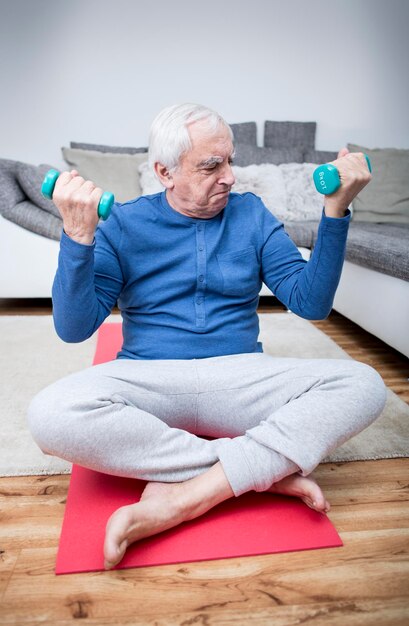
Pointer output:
105, 203
326, 177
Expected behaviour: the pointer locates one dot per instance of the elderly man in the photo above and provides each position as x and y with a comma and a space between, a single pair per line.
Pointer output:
186, 267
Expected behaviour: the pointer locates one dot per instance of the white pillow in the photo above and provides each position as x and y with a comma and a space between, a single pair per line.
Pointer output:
265, 181
303, 200
287, 190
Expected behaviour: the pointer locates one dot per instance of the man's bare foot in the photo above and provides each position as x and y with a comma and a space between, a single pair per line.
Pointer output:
304, 488
163, 506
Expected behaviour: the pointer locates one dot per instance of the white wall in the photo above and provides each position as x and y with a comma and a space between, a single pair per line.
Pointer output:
98, 71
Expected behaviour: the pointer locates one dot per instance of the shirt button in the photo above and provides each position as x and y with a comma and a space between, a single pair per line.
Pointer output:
199, 300
201, 278
200, 227
201, 248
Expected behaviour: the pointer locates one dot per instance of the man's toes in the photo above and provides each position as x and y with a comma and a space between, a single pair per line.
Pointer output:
115, 541
304, 488
113, 553
320, 503
317, 502
109, 564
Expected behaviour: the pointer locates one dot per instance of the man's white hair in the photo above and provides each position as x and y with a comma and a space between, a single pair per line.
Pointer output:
169, 137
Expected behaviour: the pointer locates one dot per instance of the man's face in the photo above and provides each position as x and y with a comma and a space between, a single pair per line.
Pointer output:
203, 178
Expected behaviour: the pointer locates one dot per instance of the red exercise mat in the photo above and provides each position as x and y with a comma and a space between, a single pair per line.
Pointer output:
254, 523
109, 342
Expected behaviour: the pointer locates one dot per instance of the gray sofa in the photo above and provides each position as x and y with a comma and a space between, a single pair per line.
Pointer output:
374, 287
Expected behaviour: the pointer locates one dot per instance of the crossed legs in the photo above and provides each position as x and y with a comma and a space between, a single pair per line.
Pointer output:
273, 421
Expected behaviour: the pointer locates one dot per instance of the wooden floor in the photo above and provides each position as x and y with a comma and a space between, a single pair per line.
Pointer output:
366, 582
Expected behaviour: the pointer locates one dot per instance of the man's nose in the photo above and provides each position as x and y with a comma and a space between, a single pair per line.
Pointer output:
227, 176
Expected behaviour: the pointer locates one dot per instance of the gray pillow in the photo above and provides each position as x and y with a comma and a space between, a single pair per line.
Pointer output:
102, 148
246, 132
117, 173
253, 155
10, 191
319, 156
30, 178
386, 198
31, 217
299, 135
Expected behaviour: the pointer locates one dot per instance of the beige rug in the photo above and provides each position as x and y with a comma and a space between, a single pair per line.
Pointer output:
32, 356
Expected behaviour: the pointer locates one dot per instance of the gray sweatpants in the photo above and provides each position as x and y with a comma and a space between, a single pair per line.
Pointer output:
269, 417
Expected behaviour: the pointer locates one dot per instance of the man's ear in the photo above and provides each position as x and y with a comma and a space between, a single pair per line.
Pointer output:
164, 175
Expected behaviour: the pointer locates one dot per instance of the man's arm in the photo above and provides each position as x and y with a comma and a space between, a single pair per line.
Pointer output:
89, 278
308, 288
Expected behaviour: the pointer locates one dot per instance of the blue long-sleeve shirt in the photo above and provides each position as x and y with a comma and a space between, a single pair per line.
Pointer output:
186, 287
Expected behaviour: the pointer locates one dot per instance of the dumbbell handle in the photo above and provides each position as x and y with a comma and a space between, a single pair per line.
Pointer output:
105, 203
326, 177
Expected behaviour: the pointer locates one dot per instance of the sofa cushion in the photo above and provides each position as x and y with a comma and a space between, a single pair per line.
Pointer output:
299, 135
102, 148
252, 155
30, 178
319, 156
381, 247
115, 172
246, 132
10, 191
31, 217
386, 198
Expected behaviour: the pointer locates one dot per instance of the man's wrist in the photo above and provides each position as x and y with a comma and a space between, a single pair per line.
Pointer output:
84, 239
335, 211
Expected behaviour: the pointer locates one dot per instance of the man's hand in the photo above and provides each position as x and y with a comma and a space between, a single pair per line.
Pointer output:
77, 201
354, 175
